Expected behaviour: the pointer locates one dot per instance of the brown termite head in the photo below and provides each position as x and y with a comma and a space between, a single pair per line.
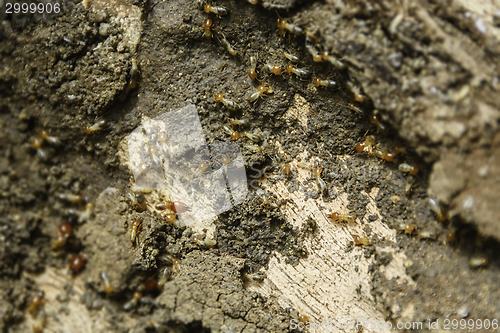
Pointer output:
253, 2
161, 205
304, 319
375, 119
335, 216
360, 146
217, 10
219, 97
76, 263
36, 142
316, 170
43, 134
367, 145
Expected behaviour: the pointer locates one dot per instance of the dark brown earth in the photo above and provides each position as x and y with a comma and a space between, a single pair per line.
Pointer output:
431, 75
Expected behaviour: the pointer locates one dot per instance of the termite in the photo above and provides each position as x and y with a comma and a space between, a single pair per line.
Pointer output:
283, 25
302, 73
219, 97
207, 25
261, 90
228, 46
325, 83
252, 73
217, 10
134, 229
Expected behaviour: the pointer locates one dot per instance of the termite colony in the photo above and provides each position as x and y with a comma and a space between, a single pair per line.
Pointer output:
264, 70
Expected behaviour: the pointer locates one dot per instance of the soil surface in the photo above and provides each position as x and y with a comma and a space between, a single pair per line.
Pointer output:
74, 85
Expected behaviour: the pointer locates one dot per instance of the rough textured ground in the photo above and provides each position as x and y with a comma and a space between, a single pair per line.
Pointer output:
62, 72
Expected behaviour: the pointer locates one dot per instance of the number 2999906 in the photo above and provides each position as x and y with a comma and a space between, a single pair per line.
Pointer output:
25, 8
